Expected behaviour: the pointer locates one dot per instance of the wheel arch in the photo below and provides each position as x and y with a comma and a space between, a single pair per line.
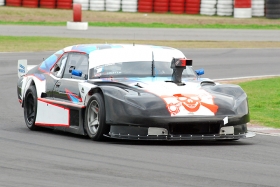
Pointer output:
40, 86
93, 91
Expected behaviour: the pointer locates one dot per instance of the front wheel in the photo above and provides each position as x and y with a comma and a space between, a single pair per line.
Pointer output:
95, 124
30, 108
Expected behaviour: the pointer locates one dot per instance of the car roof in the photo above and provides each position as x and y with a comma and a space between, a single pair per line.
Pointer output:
100, 54
90, 48
137, 53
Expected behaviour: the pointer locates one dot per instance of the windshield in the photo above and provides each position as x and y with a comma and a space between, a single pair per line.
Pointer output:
136, 69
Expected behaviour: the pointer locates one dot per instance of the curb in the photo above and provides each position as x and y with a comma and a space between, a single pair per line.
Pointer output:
263, 130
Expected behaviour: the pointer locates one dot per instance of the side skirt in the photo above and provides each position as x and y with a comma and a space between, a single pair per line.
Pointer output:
64, 116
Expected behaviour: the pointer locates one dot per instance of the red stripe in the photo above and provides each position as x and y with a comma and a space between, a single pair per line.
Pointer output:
51, 124
53, 102
35, 77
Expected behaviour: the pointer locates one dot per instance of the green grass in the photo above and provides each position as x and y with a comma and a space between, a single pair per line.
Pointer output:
44, 43
264, 101
151, 25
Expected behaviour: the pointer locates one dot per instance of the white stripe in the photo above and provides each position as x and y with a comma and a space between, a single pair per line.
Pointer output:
268, 134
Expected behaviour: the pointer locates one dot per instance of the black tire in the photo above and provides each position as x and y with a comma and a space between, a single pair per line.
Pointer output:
272, 1
30, 108
273, 16
273, 11
273, 6
95, 118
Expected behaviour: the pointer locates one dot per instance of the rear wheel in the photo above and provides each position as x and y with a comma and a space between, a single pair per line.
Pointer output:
30, 108
95, 118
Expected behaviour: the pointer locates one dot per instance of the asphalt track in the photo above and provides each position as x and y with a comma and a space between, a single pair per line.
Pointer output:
52, 158
144, 33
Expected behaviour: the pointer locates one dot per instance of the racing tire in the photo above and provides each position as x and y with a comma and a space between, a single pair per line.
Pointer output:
208, 1
273, 6
193, 2
272, 1
30, 108
207, 6
95, 124
222, 6
225, 2
273, 16
272, 11
208, 11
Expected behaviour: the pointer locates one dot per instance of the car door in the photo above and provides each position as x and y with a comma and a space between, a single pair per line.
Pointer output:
66, 89
62, 108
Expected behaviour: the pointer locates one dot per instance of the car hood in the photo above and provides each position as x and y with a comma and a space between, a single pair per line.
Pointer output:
192, 97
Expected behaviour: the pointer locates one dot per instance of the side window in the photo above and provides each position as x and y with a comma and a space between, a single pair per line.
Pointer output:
59, 66
79, 62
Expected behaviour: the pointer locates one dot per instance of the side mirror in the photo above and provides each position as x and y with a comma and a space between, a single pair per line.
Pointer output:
77, 73
199, 72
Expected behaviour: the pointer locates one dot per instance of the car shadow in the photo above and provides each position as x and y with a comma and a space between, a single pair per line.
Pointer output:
182, 142
240, 142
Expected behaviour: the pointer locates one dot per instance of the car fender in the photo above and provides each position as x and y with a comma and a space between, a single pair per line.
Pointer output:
85, 89
40, 85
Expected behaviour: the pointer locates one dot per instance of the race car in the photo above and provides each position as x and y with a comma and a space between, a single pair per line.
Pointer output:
128, 91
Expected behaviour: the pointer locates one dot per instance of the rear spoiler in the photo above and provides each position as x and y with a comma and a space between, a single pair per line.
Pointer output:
23, 68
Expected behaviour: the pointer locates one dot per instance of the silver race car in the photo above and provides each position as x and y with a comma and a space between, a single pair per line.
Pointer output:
138, 92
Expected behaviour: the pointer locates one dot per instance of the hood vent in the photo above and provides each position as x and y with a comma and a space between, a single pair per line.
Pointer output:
208, 83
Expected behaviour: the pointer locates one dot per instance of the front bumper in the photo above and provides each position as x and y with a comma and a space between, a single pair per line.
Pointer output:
152, 133
182, 137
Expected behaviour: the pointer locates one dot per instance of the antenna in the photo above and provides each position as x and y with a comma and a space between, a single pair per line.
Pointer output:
134, 39
153, 65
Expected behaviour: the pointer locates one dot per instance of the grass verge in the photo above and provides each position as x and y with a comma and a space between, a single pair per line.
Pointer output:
264, 101
55, 17
38, 43
149, 25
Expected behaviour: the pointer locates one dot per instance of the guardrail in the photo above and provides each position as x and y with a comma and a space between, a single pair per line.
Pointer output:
236, 8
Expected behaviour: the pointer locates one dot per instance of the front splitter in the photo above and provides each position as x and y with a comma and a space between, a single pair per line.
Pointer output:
182, 137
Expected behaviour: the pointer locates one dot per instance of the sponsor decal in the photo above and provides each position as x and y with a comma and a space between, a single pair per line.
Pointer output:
73, 97
174, 108
21, 68
190, 99
190, 104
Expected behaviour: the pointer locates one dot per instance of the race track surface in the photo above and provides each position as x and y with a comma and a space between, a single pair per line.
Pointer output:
52, 158
144, 33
